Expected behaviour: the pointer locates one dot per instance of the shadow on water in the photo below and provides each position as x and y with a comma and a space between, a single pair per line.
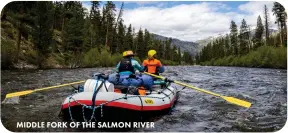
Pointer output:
194, 112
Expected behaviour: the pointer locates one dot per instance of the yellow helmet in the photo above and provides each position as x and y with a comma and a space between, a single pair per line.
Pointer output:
127, 53
151, 53
124, 53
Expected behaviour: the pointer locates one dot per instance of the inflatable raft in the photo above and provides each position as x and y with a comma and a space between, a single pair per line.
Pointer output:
100, 100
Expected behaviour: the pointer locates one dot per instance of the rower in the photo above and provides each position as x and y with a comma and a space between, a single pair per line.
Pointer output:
152, 65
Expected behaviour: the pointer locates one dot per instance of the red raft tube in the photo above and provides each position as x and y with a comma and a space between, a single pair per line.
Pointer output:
118, 103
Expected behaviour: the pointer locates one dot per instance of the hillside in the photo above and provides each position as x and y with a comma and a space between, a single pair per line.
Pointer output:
191, 47
62, 35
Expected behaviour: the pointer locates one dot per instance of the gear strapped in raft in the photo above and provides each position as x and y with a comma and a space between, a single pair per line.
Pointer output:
99, 97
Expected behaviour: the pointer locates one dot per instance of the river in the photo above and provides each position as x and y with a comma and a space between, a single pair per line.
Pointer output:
195, 111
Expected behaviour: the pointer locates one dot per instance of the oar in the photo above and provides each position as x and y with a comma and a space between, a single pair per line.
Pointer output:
228, 99
21, 93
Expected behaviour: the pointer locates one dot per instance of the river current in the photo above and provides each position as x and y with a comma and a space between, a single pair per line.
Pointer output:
195, 111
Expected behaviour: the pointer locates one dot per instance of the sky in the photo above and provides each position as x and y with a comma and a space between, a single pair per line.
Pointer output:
191, 20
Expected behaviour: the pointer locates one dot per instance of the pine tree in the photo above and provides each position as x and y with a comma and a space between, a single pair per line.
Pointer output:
103, 27
222, 47
257, 39
140, 45
281, 18
134, 34
244, 38
73, 34
174, 53
179, 55
234, 37
95, 28
109, 13
227, 45
147, 41
128, 39
42, 30
160, 49
18, 13
58, 15
266, 23
187, 58
121, 37
89, 34
167, 54
151, 44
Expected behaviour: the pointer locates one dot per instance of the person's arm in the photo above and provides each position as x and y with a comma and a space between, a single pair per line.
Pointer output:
137, 66
145, 65
161, 67
117, 67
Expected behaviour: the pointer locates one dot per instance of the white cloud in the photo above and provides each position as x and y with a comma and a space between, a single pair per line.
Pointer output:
256, 8
142, 2
87, 5
192, 22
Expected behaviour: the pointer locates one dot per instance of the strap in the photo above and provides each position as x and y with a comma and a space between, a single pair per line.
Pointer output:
105, 85
95, 93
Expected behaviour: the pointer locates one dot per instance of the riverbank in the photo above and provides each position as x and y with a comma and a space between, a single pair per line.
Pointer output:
262, 57
29, 58
26, 66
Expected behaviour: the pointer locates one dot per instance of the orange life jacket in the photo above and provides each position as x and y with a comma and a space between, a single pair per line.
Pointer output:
152, 65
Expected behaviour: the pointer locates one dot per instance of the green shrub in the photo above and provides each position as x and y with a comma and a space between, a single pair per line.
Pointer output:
105, 58
91, 58
116, 58
50, 62
59, 58
8, 50
31, 57
279, 57
169, 62
265, 56
229, 60
7, 29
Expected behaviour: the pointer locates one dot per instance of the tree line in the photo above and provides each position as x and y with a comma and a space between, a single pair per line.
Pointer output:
64, 33
242, 48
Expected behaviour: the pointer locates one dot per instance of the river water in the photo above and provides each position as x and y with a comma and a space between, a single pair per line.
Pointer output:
195, 111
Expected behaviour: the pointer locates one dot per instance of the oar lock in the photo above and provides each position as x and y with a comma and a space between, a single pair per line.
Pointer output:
100, 75
168, 80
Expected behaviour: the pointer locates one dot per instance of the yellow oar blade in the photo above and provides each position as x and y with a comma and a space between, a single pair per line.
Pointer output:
16, 94
26, 92
237, 101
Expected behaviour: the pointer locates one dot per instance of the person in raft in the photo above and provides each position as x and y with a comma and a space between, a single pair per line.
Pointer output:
152, 65
126, 73
128, 64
